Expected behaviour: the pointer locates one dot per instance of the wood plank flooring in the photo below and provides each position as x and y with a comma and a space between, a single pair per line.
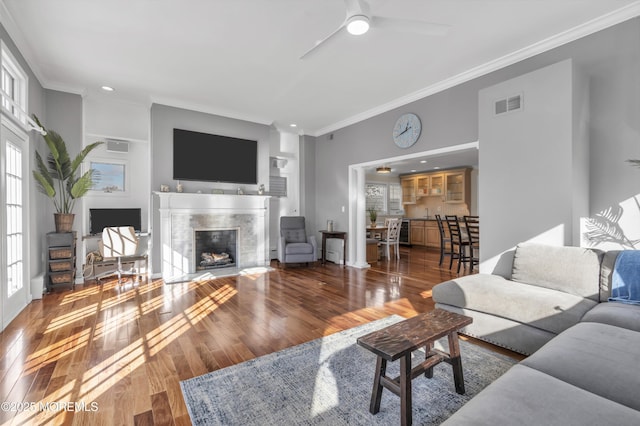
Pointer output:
114, 355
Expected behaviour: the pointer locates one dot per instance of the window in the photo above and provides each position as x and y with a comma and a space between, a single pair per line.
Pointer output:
376, 197
14, 216
386, 198
109, 176
14, 86
395, 198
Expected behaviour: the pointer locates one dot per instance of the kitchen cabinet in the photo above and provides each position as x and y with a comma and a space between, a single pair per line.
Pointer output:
432, 234
61, 260
423, 185
436, 184
425, 233
408, 190
457, 187
417, 232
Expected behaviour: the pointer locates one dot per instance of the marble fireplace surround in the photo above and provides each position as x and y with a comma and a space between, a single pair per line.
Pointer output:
183, 213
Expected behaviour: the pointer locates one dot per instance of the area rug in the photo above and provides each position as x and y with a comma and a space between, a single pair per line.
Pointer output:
328, 381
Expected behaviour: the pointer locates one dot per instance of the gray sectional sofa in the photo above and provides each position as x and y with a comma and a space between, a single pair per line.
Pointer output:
585, 362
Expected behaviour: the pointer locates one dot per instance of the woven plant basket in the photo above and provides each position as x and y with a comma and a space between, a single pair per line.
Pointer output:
63, 221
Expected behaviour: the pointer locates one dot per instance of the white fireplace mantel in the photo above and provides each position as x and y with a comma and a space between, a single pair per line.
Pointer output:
195, 201
182, 213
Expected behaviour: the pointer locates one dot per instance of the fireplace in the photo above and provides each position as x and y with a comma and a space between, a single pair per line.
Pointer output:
215, 248
181, 214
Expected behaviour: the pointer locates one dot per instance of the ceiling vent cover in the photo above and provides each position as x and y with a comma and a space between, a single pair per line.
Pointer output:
509, 104
114, 145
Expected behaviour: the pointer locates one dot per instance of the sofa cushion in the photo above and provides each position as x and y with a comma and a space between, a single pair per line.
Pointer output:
298, 248
599, 358
526, 396
539, 307
615, 313
574, 270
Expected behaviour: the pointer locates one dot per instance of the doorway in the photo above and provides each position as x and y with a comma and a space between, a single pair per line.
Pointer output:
14, 196
357, 172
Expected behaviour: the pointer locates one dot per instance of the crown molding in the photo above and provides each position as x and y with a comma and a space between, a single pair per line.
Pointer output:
615, 17
17, 36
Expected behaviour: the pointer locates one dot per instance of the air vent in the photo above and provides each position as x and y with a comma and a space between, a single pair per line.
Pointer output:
512, 103
277, 186
114, 145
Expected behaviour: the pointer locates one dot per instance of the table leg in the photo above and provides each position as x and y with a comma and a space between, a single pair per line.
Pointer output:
405, 390
429, 371
456, 362
324, 248
376, 395
344, 250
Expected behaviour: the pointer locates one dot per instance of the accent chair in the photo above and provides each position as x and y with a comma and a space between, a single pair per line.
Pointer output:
294, 245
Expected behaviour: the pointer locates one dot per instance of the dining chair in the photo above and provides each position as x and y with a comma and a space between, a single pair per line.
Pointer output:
459, 241
472, 223
444, 241
392, 237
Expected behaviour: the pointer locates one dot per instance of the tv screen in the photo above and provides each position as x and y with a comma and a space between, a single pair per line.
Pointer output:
101, 218
214, 158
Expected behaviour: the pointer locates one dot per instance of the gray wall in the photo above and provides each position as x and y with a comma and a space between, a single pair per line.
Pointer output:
38, 203
451, 117
163, 120
527, 157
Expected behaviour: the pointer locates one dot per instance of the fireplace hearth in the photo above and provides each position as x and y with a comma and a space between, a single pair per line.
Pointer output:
215, 248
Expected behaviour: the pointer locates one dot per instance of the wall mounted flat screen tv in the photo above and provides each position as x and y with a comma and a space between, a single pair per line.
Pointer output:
214, 158
101, 218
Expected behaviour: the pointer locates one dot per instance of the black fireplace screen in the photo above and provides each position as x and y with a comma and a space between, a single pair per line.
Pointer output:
215, 248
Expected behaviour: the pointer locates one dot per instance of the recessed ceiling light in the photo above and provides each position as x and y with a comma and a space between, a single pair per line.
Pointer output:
436, 168
423, 161
293, 125
107, 88
413, 170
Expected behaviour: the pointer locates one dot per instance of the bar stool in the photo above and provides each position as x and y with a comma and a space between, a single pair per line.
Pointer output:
459, 243
444, 240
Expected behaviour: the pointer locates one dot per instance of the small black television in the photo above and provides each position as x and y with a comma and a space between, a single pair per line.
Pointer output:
214, 158
101, 218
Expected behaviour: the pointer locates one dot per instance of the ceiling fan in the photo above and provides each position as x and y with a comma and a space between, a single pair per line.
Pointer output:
359, 19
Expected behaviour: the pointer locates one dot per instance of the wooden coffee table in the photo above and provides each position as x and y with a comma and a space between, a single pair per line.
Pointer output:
399, 340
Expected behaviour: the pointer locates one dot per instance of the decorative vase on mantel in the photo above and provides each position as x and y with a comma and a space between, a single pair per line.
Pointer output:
63, 221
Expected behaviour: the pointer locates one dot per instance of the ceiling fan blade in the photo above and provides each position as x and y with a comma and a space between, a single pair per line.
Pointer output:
321, 42
410, 26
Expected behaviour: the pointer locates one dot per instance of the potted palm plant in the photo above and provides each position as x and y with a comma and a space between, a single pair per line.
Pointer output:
58, 178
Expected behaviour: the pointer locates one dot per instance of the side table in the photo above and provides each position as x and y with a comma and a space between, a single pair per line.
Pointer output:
334, 234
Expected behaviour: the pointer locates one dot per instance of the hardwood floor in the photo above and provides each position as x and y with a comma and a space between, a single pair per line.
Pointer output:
122, 350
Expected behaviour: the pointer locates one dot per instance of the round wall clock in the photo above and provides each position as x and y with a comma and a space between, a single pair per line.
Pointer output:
406, 130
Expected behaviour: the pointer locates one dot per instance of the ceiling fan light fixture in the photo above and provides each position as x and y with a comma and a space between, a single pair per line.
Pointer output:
358, 24
383, 170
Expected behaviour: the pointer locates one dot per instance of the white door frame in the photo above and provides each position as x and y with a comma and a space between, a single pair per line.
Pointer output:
10, 307
357, 209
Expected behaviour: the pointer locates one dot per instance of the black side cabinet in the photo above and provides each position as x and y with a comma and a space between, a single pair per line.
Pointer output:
61, 260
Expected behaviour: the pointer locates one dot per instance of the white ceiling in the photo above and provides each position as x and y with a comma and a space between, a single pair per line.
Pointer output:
240, 58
